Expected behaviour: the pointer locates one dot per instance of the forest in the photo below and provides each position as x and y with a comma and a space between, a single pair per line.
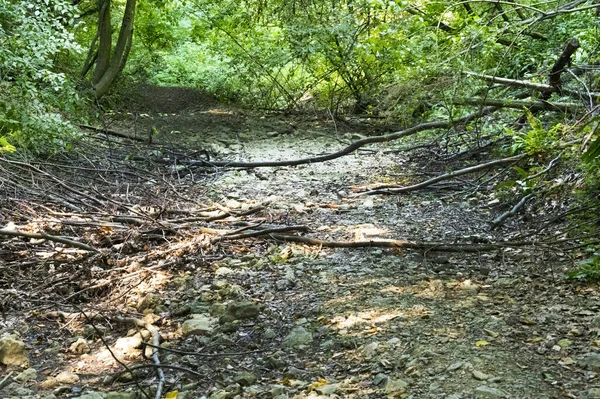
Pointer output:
206, 199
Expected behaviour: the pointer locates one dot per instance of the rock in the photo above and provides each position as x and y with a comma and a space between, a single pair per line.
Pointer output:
19, 391
150, 301
455, 366
220, 394
27, 375
485, 392
182, 310
393, 341
506, 282
370, 349
12, 351
396, 385
592, 393
49, 383
230, 327
269, 334
217, 309
380, 379
595, 323
244, 310
592, 360
122, 395
480, 376
92, 395
199, 324
245, 378
297, 338
277, 390
128, 345
79, 347
67, 377
328, 389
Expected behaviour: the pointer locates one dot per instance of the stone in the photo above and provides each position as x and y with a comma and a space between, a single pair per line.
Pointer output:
220, 394
244, 310
396, 385
370, 349
478, 375
328, 389
19, 391
122, 395
592, 393
380, 379
90, 332
182, 310
455, 366
592, 360
269, 334
67, 377
49, 383
277, 390
27, 375
245, 378
128, 345
297, 338
79, 347
91, 395
12, 351
199, 324
485, 392
150, 301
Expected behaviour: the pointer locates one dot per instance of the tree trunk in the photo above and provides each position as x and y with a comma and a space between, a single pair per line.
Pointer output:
109, 65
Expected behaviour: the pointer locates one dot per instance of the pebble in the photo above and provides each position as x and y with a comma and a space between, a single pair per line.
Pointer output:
485, 392
480, 376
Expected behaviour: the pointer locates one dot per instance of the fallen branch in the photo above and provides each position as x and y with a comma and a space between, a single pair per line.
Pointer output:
533, 106
345, 151
44, 236
498, 221
402, 244
528, 85
259, 233
460, 172
114, 133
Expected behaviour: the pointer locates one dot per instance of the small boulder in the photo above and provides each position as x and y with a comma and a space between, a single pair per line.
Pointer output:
92, 395
67, 377
27, 375
199, 324
150, 301
128, 345
121, 395
485, 392
245, 378
12, 351
297, 338
244, 310
79, 347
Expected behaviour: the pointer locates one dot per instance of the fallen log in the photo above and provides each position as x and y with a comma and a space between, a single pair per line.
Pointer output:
533, 106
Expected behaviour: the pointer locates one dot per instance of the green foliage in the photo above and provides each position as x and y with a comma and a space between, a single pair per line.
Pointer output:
535, 140
33, 94
587, 270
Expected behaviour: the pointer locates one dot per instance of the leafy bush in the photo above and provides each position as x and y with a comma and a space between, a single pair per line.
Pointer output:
587, 270
32, 94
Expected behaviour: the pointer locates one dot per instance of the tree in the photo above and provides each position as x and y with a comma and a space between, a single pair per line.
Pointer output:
109, 62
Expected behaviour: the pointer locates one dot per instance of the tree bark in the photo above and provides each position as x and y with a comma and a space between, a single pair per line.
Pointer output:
106, 73
105, 40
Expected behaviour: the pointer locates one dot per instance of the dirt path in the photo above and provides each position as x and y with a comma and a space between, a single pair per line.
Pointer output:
350, 323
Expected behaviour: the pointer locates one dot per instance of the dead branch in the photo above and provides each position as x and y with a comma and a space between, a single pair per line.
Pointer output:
528, 84
180, 352
533, 106
402, 244
44, 236
114, 133
559, 66
345, 151
498, 221
259, 233
460, 172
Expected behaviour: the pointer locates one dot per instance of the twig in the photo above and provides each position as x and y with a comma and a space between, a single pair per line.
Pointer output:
498, 221
460, 172
260, 233
430, 246
6, 380
39, 236
180, 352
